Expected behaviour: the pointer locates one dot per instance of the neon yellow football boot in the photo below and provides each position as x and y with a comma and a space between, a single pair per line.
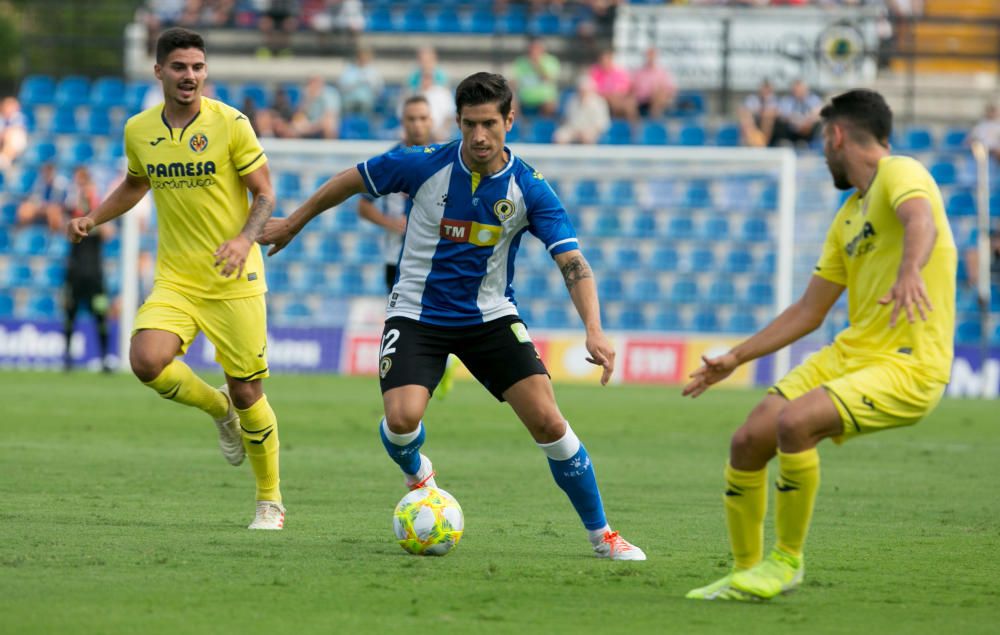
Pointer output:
778, 573
714, 591
447, 379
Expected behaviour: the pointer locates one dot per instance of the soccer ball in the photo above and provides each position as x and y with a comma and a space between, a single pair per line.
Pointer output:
428, 522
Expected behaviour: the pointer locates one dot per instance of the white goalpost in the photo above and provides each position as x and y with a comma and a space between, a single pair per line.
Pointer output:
700, 203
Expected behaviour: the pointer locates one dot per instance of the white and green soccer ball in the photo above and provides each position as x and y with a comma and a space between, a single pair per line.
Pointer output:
428, 522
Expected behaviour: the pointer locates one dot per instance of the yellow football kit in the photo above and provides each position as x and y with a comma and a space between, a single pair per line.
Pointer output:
201, 202
880, 376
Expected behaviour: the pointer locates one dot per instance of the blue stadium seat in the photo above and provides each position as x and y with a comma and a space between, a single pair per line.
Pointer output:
722, 291
715, 228
706, 321
4, 238
545, 23
684, 292
738, 261
610, 289
255, 93
357, 127
620, 133
698, 195
586, 192
622, 192
72, 91
768, 199
514, 21
37, 90
8, 215
352, 281
680, 228
944, 172
289, 185
665, 259
482, 20
380, 19
728, 136
64, 120
645, 288
961, 203
555, 317
223, 93
296, 310
692, 135
632, 319
917, 140
755, 230
23, 184
42, 307
446, 21
595, 256
627, 258
415, 19
608, 224
653, 133
81, 152
690, 103
31, 241
277, 278
760, 293
368, 249
39, 152
135, 95
107, 92
741, 322
542, 130
968, 332
668, 319
643, 225
995, 341
535, 286
346, 219
6, 305
702, 260
98, 123
954, 139
57, 249
54, 275
526, 315
330, 249
19, 275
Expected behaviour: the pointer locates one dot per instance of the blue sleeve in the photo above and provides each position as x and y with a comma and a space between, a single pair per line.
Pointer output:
547, 218
395, 171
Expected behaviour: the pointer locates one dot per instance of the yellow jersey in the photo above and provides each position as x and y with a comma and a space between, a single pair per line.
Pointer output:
863, 250
201, 201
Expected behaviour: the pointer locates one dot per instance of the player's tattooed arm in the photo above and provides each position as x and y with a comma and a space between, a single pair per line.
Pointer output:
260, 212
574, 270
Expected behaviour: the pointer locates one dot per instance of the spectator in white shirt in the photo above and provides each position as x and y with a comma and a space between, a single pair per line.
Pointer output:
587, 115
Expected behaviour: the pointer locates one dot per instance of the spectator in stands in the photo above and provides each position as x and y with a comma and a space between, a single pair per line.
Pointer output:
798, 115
535, 80
439, 97
318, 115
595, 21
277, 22
614, 84
324, 16
157, 15
987, 131
757, 116
972, 260
13, 131
587, 115
360, 84
428, 72
653, 86
84, 270
46, 203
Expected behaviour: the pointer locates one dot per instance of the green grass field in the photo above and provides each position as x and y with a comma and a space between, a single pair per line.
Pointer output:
119, 515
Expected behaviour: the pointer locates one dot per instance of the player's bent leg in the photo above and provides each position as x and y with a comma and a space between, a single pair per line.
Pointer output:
259, 430
402, 433
534, 402
152, 356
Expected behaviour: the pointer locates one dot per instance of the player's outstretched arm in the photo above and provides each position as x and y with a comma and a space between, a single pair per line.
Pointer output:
368, 211
919, 236
232, 254
278, 232
801, 318
124, 197
579, 280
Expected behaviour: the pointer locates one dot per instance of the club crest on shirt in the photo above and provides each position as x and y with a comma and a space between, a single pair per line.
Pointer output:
383, 367
504, 209
198, 142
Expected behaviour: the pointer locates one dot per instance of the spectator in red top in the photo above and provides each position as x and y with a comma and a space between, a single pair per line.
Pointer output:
13, 131
653, 87
614, 84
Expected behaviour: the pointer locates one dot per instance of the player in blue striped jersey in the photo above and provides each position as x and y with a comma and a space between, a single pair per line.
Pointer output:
473, 200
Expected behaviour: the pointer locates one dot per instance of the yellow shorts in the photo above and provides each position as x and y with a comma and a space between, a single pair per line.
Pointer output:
871, 394
237, 328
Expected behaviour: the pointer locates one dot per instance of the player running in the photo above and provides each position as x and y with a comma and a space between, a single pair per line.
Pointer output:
891, 247
200, 156
472, 202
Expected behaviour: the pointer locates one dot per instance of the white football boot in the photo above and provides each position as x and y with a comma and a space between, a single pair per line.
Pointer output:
230, 438
613, 546
270, 515
424, 476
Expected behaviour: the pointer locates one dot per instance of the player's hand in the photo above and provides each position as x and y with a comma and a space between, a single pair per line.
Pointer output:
78, 228
232, 255
277, 233
711, 372
397, 225
909, 291
602, 353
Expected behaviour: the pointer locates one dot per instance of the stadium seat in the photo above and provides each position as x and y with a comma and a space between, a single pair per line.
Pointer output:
668, 319
609, 289
8, 215
107, 92
620, 133
6, 305
368, 249
741, 322
256, 93
534, 286
968, 332
380, 19
542, 130
135, 96
64, 120
755, 230
352, 281
621, 192
643, 225
595, 256
995, 341
653, 133
482, 20
555, 317
37, 90
702, 260
415, 19
706, 321
513, 21
19, 275
4, 238
768, 199
358, 127
57, 249
98, 122
692, 135
690, 103
954, 139
917, 140
329, 250
72, 91
296, 310
81, 152
346, 219
446, 21
715, 228
586, 192
42, 307
665, 259
40, 152
627, 258
760, 293
31, 241
54, 275
24, 183
277, 278
722, 292
738, 261
680, 228
961, 203
608, 224
944, 173
698, 195
289, 186
728, 136
632, 319
545, 23
684, 292
645, 288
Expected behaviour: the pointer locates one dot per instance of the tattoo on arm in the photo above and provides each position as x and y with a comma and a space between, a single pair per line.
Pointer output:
575, 270
260, 211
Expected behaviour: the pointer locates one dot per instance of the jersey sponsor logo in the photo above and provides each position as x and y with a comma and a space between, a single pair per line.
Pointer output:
504, 209
858, 248
521, 332
191, 168
158, 140
464, 231
198, 142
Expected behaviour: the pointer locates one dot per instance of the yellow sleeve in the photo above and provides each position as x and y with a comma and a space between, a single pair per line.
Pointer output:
906, 178
244, 147
135, 166
831, 264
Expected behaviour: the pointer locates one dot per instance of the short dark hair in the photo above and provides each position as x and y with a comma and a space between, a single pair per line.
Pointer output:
865, 110
484, 88
415, 99
177, 38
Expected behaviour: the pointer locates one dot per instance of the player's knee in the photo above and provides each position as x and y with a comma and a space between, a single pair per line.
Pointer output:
145, 365
547, 427
790, 423
402, 419
245, 394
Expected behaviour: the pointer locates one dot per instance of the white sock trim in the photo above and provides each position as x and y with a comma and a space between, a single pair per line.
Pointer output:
564, 448
596, 535
401, 439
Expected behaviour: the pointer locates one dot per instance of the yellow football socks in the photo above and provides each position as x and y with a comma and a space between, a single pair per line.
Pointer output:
746, 504
178, 383
797, 485
260, 438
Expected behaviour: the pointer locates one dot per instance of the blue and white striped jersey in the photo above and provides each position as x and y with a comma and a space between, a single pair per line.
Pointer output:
464, 229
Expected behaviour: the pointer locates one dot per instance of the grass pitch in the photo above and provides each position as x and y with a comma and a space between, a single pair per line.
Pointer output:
119, 515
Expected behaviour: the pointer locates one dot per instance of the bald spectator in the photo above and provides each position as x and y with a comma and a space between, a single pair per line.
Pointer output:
587, 115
